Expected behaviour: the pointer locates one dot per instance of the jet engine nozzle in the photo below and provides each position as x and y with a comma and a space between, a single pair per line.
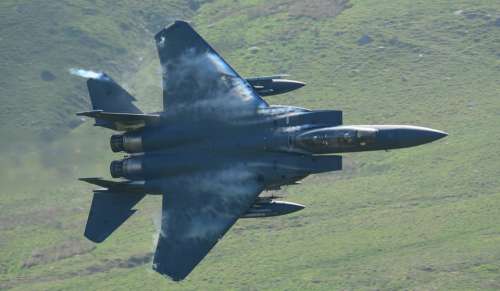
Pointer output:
130, 168
116, 143
116, 169
127, 142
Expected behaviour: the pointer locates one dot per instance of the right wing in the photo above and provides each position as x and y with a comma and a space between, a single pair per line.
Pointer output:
197, 82
196, 212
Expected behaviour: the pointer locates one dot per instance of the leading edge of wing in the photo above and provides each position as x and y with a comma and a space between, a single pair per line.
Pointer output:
196, 213
196, 76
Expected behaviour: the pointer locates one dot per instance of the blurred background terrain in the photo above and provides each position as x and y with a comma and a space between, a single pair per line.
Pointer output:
422, 218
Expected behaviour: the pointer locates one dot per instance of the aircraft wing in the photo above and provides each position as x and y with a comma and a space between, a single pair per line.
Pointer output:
196, 79
196, 212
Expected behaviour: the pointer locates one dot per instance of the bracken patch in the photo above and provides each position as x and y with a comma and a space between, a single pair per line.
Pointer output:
318, 8
66, 249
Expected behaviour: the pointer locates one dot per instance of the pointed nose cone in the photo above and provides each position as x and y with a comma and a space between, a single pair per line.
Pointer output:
297, 207
426, 135
408, 136
297, 84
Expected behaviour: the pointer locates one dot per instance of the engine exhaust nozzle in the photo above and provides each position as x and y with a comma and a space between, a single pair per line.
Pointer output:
127, 142
116, 169
130, 168
116, 143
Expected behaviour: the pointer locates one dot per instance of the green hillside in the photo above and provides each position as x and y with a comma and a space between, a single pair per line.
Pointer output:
41, 40
423, 218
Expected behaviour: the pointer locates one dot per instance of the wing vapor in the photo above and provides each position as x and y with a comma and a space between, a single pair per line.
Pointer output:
196, 79
196, 212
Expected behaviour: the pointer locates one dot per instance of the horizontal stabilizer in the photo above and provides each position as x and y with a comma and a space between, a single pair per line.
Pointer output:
121, 121
109, 211
122, 186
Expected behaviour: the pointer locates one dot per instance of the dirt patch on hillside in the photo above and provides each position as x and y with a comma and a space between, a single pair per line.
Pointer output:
318, 8
106, 265
131, 262
315, 9
64, 250
46, 216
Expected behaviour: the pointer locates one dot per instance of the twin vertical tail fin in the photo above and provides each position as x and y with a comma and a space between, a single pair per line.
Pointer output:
108, 98
112, 107
107, 95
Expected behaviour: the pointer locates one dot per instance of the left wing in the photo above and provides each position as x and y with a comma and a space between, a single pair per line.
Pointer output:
197, 81
196, 212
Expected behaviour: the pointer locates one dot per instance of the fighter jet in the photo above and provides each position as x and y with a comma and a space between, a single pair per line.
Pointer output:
214, 148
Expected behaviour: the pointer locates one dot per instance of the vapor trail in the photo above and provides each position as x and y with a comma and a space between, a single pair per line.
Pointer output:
86, 73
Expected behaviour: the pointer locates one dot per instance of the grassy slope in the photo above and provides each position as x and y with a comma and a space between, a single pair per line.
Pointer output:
51, 37
421, 218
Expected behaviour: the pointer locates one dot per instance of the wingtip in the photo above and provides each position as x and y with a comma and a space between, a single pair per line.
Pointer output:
94, 239
171, 29
170, 276
105, 80
172, 26
182, 21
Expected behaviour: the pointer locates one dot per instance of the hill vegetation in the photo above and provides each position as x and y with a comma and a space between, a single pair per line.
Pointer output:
421, 218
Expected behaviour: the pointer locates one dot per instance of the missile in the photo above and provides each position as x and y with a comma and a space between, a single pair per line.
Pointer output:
273, 85
268, 207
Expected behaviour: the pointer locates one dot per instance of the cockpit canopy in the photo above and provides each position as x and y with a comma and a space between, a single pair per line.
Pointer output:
336, 139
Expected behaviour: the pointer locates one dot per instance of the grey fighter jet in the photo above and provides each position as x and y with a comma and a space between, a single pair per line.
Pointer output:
214, 148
